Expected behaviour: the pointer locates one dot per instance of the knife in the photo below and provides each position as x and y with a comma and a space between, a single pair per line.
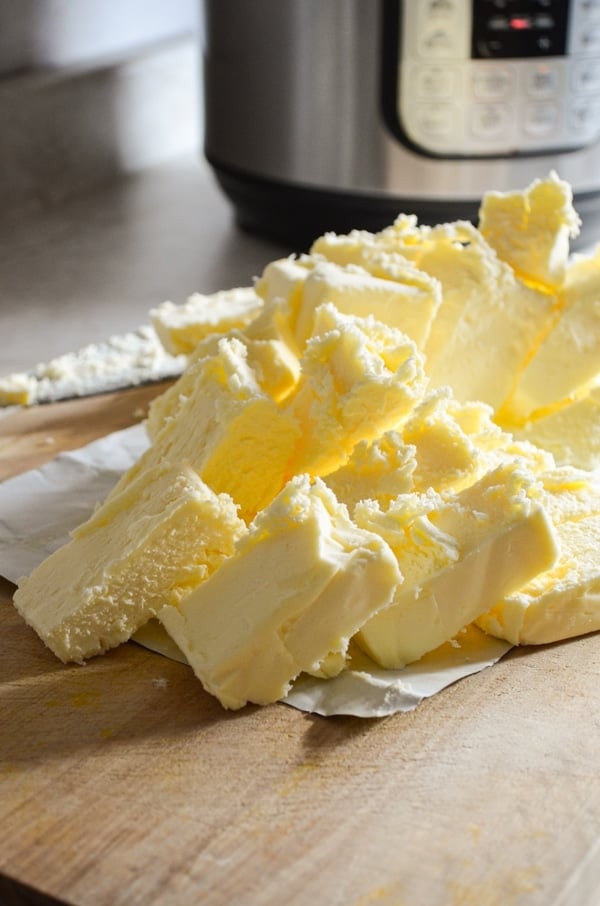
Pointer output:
122, 361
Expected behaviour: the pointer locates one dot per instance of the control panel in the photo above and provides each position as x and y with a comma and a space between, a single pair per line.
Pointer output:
498, 77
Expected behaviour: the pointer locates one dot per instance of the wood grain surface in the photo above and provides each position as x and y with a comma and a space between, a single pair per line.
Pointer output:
123, 782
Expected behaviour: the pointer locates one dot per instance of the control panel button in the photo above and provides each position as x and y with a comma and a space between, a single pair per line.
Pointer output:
586, 9
543, 22
586, 76
440, 28
543, 81
542, 118
584, 117
498, 23
490, 84
435, 82
586, 39
437, 43
489, 120
435, 120
440, 7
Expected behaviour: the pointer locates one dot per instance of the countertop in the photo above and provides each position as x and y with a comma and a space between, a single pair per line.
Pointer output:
122, 782
93, 266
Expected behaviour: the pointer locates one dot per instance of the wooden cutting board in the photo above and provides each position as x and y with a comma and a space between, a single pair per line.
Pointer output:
123, 782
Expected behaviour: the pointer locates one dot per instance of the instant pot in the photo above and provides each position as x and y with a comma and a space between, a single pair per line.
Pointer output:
339, 114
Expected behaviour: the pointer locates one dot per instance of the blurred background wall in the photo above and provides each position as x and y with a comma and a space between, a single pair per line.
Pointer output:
91, 90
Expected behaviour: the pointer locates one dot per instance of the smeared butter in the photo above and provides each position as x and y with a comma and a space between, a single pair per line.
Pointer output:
124, 360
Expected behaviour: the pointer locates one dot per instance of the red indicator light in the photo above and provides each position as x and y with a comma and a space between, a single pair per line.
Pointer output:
520, 23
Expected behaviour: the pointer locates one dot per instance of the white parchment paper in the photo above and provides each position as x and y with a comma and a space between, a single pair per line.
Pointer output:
39, 508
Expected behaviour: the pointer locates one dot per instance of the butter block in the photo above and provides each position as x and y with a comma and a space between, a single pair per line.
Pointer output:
359, 378
274, 323
446, 456
148, 546
571, 433
280, 287
411, 302
570, 493
396, 246
388, 288
488, 322
354, 247
530, 230
181, 327
564, 603
301, 583
443, 444
568, 359
274, 367
564, 600
409, 306
457, 554
378, 470
283, 279
457, 443
370, 254
432, 449
231, 432
500, 297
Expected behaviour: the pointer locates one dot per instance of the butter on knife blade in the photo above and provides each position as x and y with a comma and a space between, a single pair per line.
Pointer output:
124, 360
152, 353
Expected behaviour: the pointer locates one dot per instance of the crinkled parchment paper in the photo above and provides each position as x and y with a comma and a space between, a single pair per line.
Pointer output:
39, 508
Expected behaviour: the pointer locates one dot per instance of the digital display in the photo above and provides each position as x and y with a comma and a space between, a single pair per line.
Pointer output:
519, 28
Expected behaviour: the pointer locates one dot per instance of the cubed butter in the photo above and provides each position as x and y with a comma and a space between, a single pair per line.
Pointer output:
457, 554
300, 584
564, 600
231, 432
570, 433
378, 470
150, 545
531, 230
359, 379
272, 363
182, 327
568, 360
407, 306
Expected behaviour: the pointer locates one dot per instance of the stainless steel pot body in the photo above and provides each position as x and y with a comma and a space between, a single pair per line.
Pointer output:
305, 128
